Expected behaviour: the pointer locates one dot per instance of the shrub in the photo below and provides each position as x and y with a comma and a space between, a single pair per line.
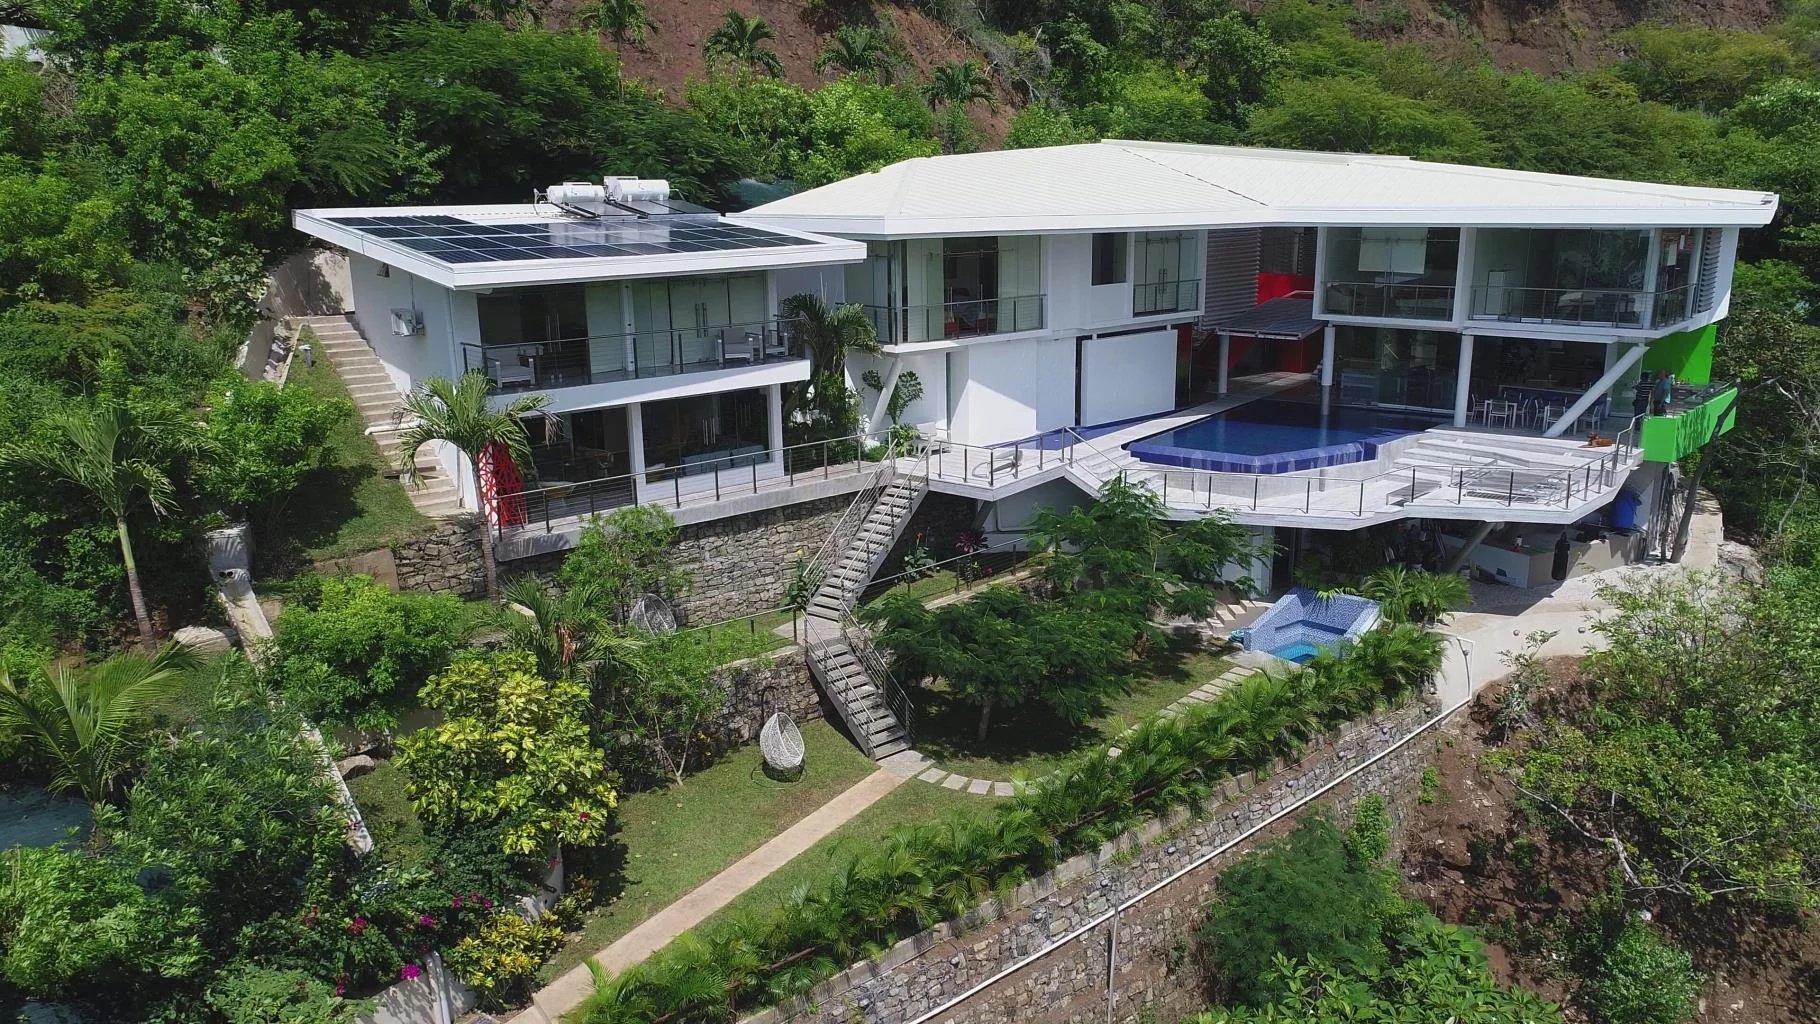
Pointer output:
1642, 979
263, 995
625, 554
267, 441
500, 961
513, 750
359, 648
1368, 839
1303, 898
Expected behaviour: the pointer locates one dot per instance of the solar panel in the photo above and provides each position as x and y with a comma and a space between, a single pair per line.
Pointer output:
456, 240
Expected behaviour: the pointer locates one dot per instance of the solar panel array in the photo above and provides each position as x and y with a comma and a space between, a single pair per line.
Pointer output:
457, 240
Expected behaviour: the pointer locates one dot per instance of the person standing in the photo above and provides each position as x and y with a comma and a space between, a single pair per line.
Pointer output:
1641, 394
1665, 394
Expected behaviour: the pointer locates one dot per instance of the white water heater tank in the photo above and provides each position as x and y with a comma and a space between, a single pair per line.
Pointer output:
626, 189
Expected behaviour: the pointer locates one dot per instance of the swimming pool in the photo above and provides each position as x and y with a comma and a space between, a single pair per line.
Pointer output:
1302, 624
1273, 436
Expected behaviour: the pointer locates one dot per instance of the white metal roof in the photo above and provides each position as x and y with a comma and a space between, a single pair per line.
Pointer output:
794, 249
1122, 186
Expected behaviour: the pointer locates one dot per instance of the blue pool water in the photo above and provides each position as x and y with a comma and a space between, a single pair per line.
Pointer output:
1278, 437
1302, 624
1301, 653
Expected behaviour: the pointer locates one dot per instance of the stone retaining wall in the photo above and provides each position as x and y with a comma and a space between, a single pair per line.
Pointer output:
757, 687
1153, 937
444, 561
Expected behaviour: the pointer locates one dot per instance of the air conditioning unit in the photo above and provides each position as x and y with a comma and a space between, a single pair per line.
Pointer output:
406, 322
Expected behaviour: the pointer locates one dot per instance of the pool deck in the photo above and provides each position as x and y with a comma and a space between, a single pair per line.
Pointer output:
1471, 473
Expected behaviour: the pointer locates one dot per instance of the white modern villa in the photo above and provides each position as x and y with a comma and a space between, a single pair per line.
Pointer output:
1302, 341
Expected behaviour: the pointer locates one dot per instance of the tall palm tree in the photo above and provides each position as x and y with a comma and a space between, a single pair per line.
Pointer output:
958, 84
828, 335
859, 50
623, 21
82, 720
118, 454
459, 413
1412, 595
738, 38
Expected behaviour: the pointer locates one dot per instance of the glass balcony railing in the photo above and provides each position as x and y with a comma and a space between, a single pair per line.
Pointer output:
599, 359
1408, 300
968, 318
1165, 297
1581, 307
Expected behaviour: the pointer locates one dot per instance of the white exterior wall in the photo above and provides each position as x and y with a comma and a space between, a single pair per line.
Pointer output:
408, 361
1012, 389
1128, 375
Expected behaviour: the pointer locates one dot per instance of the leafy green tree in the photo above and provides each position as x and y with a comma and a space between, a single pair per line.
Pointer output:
860, 50
856, 126
461, 414
740, 40
1703, 68
1359, 116
1003, 650
88, 724
356, 649
565, 631
958, 84
828, 336
513, 750
119, 456
1041, 125
623, 555
1688, 762
266, 442
766, 120
1235, 60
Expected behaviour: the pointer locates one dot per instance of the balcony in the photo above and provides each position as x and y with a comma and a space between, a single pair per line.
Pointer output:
1405, 300
601, 359
1165, 297
1696, 416
968, 318
1581, 307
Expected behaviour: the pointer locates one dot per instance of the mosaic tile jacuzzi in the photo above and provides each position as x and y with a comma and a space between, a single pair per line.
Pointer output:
1302, 624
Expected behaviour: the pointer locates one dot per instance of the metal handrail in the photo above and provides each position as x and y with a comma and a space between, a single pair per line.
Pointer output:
768, 341
745, 483
1186, 295
1389, 295
847, 527
892, 321
896, 700
1598, 307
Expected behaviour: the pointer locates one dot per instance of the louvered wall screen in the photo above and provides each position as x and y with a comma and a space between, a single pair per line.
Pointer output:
1705, 291
1232, 273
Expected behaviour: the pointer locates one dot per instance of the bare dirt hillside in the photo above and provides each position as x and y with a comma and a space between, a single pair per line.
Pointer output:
673, 54
1539, 35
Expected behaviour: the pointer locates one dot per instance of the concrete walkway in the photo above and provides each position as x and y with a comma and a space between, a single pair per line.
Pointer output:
657, 931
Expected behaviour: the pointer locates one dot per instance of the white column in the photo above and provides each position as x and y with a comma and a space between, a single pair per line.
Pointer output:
1327, 356
1224, 384
1462, 281
774, 399
1462, 389
635, 440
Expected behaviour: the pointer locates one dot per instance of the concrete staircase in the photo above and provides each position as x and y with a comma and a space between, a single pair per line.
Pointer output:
841, 656
339, 340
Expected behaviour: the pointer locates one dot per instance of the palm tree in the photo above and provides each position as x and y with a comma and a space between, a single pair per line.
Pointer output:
118, 454
859, 50
564, 632
81, 720
738, 38
622, 21
828, 335
958, 84
1412, 595
460, 414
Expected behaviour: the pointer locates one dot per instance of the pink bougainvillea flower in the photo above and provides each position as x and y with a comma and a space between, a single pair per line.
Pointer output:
426, 921
486, 904
455, 903
357, 926
341, 985
585, 815
410, 972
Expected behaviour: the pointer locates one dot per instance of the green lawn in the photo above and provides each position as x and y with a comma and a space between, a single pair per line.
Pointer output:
945, 729
679, 837
912, 802
755, 634
350, 506
397, 835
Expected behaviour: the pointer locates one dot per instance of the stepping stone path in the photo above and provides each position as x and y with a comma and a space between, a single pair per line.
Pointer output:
913, 765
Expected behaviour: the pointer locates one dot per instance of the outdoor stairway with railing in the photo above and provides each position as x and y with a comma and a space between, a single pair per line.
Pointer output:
339, 340
841, 657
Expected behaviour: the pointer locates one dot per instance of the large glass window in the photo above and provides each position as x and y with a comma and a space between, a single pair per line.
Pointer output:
958, 288
700, 434
1395, 367
533, 337
1167, 278
1109, 257
1552, 276
1391, 272
1676, 251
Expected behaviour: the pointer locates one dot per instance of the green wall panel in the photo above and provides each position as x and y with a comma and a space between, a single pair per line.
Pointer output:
1668, 438
1686, 354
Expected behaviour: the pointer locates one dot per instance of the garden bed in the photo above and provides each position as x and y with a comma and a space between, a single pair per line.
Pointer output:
678, 837
1035, 744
